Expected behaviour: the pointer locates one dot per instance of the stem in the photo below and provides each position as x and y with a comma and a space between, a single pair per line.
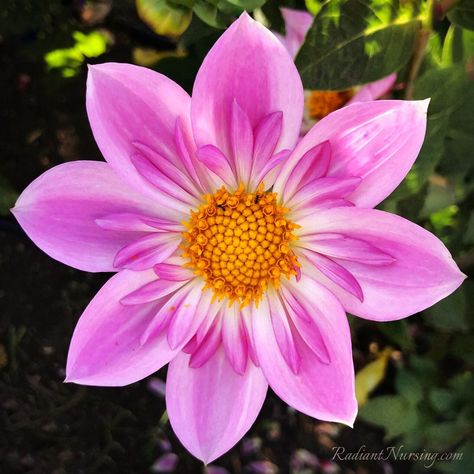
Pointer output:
421, 43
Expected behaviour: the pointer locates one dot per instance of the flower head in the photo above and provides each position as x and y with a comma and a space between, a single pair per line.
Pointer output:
237, 247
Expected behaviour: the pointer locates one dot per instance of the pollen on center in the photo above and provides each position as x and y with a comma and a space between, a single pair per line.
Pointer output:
240, 243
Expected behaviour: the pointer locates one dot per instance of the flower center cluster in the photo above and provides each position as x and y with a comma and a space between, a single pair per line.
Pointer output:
322, 103
239, 243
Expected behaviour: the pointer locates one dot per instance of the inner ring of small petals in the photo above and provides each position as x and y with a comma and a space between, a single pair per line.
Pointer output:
240, 243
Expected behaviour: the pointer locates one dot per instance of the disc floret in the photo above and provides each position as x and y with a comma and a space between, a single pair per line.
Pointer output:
240, 243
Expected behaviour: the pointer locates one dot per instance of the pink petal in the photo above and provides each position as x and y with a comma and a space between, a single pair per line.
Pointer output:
59, 211
105, 348
322, 189
130, 222
169, 169
374, 90
336, 273
147, 251
314, 164
187, 317
209, 344
211, 408
234, 339
152, 291
170, 272
267, 135
261, 83
304, 316
181, 315
214, 160
241, 137
127, 104
348, 248
377, 141
297, 24
283, 334
423, 271
321, 390
175, 196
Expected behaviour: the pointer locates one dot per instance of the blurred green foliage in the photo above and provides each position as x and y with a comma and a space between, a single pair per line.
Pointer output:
423, 399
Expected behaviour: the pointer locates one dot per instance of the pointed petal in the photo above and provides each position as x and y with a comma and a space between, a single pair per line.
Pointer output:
377, 141
314, 164
336, 273
297, 24
214, 160
267, 135
211, 408
209, 344
130, 222
59, 210
324, 391
423, 271
348, 248
171, 272
261, 83
126, 104
234, 339
374, 90
283, 334
322, 189
147, 251
241, 137
152, 291
105, 348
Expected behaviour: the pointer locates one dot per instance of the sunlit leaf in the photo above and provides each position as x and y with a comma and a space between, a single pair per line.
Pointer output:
354, 42
458, 46
86, 45
313, 6
369, 377
164, 18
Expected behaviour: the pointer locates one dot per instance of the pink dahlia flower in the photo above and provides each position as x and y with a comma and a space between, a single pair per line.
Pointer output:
321, 103
236, 284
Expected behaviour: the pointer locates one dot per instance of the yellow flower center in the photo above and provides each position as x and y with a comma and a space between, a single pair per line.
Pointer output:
322, 103
240, 243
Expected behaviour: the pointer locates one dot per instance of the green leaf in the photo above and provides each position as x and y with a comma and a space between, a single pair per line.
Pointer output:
313, 6
248, 5
442, 400
164, 18
210, 14
466, 463
409, 386
392, 412
353, 42
450, 313
462, 14
458, 46
397, 332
